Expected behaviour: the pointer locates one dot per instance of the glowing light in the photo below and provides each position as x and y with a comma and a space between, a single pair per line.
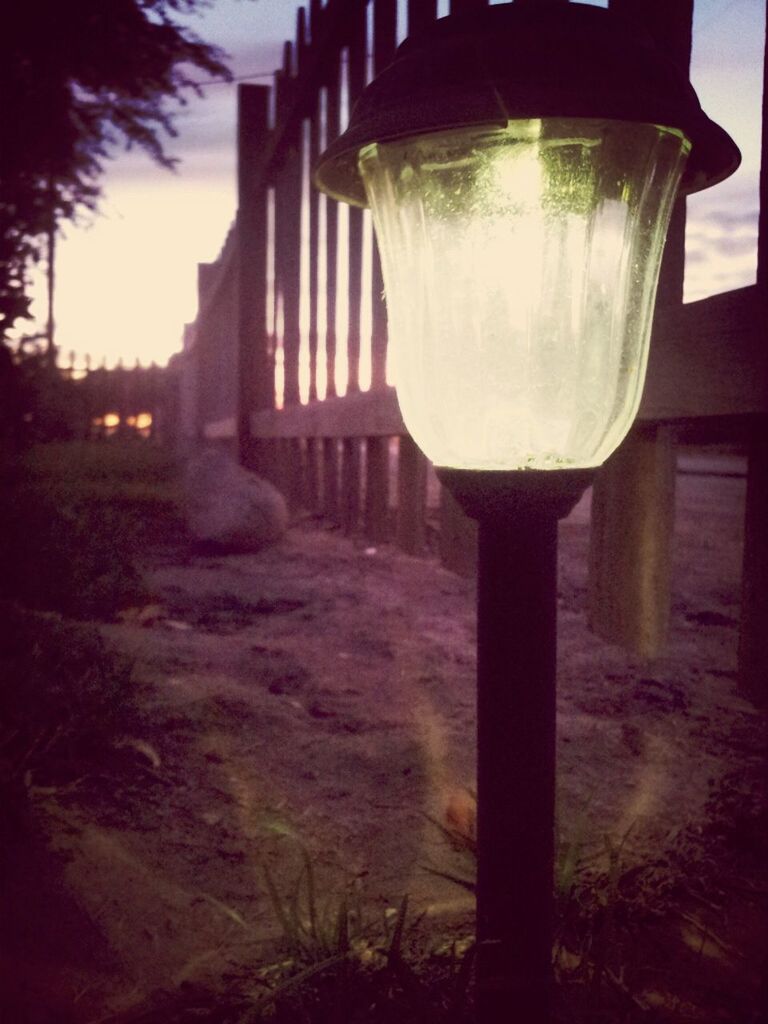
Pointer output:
520, 267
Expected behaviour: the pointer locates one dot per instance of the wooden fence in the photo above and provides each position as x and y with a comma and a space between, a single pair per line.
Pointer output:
287, 358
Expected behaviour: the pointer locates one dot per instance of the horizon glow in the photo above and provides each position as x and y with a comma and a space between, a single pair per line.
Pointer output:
127, 282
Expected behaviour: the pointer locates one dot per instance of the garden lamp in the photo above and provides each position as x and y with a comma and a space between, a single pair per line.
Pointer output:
521, 163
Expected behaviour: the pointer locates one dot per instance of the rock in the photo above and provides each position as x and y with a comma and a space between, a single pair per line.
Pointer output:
229, 508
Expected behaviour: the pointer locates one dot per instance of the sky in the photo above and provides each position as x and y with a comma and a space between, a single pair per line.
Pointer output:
126, 279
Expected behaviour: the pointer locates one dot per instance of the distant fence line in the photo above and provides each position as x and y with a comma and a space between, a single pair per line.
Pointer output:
286, 361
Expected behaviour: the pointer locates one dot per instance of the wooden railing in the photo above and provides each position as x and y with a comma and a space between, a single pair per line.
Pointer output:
287, 358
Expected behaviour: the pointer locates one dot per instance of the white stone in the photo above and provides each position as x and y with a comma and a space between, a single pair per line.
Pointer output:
230, 508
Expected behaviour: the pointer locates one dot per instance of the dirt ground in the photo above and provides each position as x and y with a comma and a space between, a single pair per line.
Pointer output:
328, 688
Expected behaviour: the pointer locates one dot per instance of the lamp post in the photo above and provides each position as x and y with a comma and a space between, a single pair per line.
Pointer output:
521, 163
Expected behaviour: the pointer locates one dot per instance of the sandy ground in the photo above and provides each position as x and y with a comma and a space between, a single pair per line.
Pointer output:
328, 688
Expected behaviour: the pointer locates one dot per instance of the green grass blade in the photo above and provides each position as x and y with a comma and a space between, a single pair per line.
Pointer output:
396, 944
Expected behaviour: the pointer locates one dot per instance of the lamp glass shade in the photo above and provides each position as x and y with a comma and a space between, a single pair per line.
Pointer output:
520, 267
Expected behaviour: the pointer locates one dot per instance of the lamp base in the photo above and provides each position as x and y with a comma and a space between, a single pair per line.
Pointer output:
492, 495
516, 718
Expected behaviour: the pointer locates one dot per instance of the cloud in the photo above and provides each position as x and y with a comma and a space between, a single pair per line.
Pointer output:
720, 252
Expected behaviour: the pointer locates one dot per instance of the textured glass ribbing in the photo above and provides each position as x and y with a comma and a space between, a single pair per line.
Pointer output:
520, 267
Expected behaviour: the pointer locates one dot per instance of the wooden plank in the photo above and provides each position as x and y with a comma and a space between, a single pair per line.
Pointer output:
370, 413
376, 518
293, 470
350, 485
332, 31
332, 122
467, 6
313, 243
301, 40
269, 461
357, 64
384, 44
722, 337
254, 369
288, 258
311, 474
762, 232
458, 537
420, 14
288, 195
216, 339
354, 298
753, 631
331, 478
411, 496
633, 497
670, 25
384, 33
709, 358
630, 542
220, 430
315, 24
280, 469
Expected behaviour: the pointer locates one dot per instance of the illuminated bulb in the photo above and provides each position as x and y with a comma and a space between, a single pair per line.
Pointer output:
520, 267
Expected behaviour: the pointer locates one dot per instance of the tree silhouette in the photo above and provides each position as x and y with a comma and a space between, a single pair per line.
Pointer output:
78, 80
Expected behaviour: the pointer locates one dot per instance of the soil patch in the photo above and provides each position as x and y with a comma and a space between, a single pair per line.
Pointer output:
326, 688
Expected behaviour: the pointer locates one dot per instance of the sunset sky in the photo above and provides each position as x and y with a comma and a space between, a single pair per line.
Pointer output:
126, 279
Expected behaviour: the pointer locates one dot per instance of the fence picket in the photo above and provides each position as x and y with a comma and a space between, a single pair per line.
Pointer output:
350, 484
254, 371
357, 63
420, 14
377, 488
411, 496
332, 121
753, 629
313, 247
330, 477
467, 6
384, 43
630, 543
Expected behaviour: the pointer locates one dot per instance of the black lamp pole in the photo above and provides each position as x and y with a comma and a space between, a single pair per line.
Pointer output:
487, 67
518, 513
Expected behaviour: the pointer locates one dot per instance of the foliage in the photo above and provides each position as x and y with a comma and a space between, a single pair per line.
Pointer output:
63, 695
53, 406
339, 962
80, 79
110, 469
71, 557
336, 961
72, 517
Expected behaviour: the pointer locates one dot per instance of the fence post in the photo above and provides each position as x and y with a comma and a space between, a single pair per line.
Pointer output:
420, 14
332, 125
384, 43
753, 634
458, 536
411, 496
311, 498
376, 488
255, 388
331, 479
357, 63
350, 484
630, 551
634, 493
